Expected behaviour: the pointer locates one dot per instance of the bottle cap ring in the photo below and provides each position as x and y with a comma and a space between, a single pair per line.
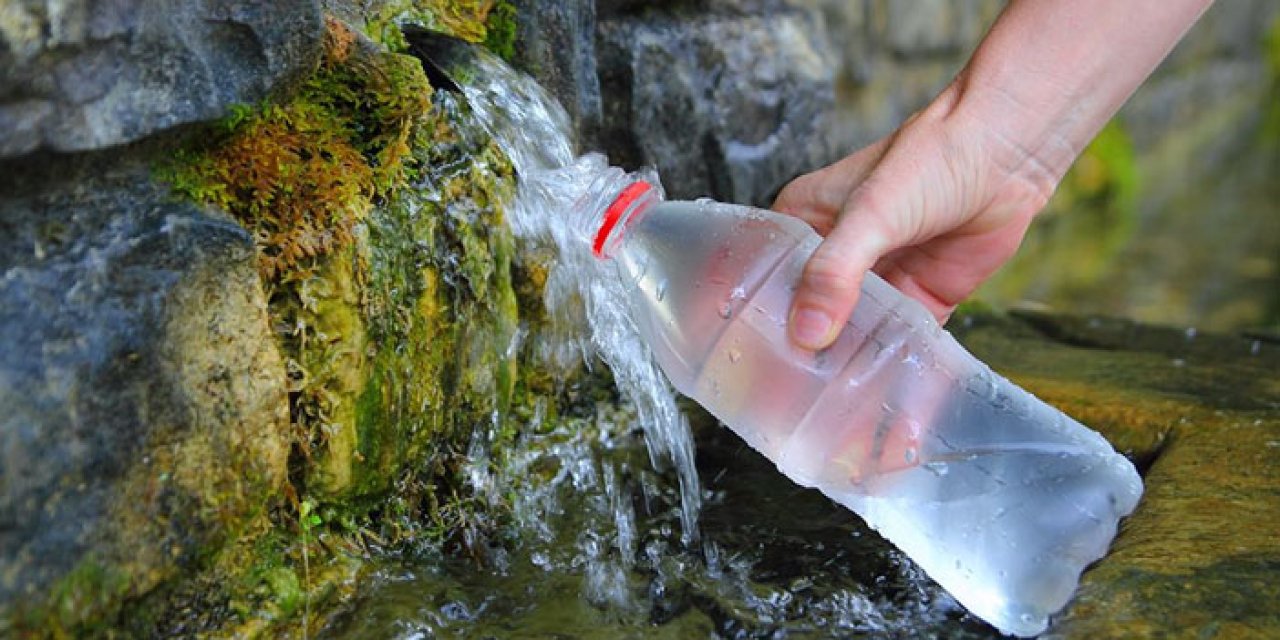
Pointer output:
613, 214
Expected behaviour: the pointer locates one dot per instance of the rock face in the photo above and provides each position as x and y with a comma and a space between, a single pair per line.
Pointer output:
143, 401
233, 352
729, 105
1201, 415
84, 75
144, 415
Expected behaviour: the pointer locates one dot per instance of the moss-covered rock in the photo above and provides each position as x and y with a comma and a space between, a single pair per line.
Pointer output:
1199, 414
284, 391
377, 215
145, 418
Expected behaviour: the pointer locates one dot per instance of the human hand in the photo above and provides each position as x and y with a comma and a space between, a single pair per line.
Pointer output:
939, 205
934, 209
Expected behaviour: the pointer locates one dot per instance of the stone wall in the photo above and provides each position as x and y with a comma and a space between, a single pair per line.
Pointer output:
732, 98
255, 298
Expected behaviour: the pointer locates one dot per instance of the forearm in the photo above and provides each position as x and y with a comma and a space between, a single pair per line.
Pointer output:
1050, 73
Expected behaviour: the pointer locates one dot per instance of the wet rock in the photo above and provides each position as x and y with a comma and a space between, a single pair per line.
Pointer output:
1201, 415
725, 105
84, 75
558, 44
143, 413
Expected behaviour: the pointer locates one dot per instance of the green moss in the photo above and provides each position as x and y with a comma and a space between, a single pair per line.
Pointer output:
79, 604
501, 28
492, 23
377, 210
300, 175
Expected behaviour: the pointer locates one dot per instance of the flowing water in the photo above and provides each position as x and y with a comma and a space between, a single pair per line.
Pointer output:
557, 196
614, 534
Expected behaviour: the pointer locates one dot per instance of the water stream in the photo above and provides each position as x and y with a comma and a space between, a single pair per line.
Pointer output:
614, 534
558, 195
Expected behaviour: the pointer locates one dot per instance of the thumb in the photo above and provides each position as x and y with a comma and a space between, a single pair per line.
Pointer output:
832, 279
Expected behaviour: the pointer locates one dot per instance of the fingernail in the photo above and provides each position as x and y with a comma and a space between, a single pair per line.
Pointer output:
810, 328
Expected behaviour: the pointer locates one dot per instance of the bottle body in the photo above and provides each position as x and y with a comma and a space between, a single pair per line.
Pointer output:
1000, 498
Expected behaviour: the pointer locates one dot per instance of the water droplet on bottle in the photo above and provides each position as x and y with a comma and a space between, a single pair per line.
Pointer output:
726, 311
738, 294
909, 455
662, 291
1027, 618
734, 355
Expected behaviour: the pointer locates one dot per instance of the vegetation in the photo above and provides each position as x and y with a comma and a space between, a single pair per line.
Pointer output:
1090, 218
376, 210
300, 175
491, 22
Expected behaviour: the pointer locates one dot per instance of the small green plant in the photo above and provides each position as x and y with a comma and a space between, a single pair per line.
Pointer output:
308, 521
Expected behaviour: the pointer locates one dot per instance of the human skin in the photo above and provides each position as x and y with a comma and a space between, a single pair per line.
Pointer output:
940, 204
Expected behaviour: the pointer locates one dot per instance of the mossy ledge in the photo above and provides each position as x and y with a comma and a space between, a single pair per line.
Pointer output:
376, 209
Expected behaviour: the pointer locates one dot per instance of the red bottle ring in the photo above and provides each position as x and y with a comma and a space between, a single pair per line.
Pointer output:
614, 213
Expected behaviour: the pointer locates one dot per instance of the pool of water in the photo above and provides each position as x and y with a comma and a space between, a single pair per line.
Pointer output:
774, 560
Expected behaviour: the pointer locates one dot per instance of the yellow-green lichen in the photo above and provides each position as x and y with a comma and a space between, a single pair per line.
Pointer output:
492, 23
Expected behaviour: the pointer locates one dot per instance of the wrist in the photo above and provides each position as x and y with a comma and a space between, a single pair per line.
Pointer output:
1007, 163
1050, 74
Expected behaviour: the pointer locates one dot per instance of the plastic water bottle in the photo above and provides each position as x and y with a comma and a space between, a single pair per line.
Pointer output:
1000, 498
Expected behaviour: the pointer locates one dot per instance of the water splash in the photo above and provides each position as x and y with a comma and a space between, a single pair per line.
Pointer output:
557, 197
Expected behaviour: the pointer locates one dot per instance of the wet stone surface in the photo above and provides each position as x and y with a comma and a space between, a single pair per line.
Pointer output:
1199, 413
1202, 415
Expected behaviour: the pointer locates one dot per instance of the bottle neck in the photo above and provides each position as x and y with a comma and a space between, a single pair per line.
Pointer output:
625, 210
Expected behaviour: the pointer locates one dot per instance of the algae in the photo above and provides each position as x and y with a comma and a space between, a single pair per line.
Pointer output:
376, 207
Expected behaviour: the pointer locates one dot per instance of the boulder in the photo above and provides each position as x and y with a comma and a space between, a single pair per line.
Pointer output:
724, 105
83, 75
143, 410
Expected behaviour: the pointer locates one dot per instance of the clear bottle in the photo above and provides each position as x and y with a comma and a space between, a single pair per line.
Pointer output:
1000, 498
